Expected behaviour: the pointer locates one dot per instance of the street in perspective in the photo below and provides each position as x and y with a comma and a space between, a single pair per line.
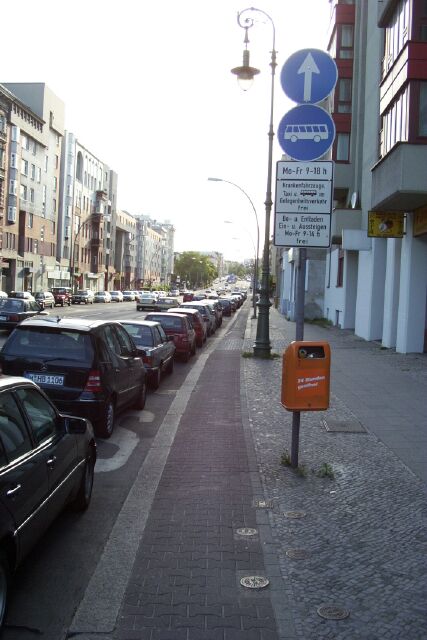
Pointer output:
213, 345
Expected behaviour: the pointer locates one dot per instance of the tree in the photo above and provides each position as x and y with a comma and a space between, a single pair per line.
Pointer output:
195, 269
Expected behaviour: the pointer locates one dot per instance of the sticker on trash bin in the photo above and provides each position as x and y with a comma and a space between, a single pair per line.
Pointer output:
254, 582
312, 384
246, 531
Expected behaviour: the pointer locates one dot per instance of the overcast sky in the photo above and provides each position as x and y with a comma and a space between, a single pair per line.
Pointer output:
147, 88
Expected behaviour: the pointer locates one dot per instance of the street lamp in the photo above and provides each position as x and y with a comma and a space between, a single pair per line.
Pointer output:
246, 73
255, 276
256, 266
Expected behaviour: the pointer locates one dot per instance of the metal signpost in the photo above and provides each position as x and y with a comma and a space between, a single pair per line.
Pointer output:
304, 187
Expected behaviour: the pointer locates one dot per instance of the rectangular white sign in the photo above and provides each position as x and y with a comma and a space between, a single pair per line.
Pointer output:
304, 187
302, 230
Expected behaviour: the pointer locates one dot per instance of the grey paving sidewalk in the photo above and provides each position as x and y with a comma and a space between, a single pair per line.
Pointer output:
360, 542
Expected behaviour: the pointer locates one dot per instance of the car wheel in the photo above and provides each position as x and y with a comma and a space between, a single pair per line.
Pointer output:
156, 378
62, 303
4, 586
82, 499
106, 424
140, 402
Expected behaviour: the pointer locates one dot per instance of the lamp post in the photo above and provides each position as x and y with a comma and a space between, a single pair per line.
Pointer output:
256, 266
245, 74
255, 275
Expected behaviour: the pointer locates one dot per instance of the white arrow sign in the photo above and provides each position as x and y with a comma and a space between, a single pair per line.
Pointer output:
308, 67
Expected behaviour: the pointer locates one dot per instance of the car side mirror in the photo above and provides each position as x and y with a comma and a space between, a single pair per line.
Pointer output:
141, 352
74, 425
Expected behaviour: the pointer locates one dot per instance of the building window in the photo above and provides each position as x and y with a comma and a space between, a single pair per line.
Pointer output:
38, 174
344, 95
342, 147
340, 269
395, 123
422, 122
396, 34
23, 192
55, 183
54, 205
30, 220
24, 142
32, 195
346, 45
24, 167
33, 172
46, 162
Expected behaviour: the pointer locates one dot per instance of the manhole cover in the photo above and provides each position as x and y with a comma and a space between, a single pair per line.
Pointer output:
246, 531
331, 612
297, 554
254, 582
294, 514
263, 504
349, 426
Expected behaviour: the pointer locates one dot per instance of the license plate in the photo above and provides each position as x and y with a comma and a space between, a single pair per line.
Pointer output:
3, 317
45, 378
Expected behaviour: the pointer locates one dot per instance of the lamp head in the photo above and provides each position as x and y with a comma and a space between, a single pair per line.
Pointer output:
245, 74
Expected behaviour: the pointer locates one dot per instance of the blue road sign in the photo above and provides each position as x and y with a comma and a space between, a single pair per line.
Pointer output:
306, 132
308, 76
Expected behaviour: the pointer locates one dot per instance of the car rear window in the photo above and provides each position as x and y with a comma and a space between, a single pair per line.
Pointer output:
11, 304
168, 323
35, 342
141, 335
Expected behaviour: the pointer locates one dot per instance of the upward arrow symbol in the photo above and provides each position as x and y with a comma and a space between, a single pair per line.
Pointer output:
308, 67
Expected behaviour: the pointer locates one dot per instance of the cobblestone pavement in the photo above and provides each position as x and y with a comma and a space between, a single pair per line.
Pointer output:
359, 543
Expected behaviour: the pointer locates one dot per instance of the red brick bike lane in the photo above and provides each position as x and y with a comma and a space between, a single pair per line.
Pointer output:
185, 582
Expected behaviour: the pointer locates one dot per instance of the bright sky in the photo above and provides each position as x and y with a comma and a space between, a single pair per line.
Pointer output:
147, 88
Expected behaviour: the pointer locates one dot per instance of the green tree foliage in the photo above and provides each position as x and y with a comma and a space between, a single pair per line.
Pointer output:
238, 269
195, 269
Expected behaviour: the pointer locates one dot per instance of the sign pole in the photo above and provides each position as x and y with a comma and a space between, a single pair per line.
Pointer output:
299, 335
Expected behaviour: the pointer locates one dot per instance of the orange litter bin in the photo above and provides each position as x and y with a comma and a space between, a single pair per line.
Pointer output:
305, 376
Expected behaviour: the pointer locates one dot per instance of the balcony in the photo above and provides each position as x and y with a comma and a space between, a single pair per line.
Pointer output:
398, 179
95, 242
344, 219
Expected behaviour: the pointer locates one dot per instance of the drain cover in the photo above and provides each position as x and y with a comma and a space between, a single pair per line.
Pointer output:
263, 504
350, 426
297, 554
254, 582
294, 514
246, 531
331, 612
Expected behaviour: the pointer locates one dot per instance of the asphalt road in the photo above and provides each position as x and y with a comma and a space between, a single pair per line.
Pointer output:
51, 583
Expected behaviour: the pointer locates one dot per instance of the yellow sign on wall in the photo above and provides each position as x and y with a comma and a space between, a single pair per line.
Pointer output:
420, 221
385, 224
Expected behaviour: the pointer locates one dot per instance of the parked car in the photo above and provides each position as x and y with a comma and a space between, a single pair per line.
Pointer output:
206, 313
15, 310
89, 368
3, 294
102, 296
146, 300
180, 327
62, 295
232, 301
187, 296
128, 296
198, 323
174, 292
116, 296
46, 462
45, 299
156, 348
166, 303
21, 295
217, 309
226, 306
83, 296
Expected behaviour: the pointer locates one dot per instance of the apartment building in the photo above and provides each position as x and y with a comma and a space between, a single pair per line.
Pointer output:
33, 126
167, 231
87, 205
375, 272
125, 251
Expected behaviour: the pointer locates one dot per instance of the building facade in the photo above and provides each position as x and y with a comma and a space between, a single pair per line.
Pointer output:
125, 251
35, 129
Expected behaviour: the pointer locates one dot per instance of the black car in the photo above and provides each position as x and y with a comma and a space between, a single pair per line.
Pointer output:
89, 368
156, 348
46, 461
15, 310
226, 306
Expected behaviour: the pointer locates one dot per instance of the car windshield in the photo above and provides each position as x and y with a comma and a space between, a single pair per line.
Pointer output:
59, 290
11, 304
82, 292
47, 343
141, 335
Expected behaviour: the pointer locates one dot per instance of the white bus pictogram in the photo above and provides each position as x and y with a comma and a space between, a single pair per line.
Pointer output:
316, 132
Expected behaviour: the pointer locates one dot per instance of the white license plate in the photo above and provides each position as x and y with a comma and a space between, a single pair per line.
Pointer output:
3, 317
45, 378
